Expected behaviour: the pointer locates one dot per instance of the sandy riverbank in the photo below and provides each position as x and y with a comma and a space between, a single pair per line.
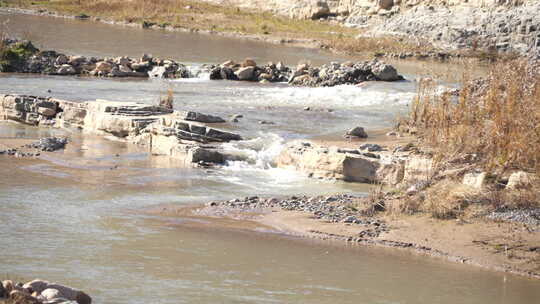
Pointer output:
498, 246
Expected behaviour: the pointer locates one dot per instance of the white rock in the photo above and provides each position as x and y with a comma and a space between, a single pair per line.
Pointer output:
245, 73
475, 180
520, 180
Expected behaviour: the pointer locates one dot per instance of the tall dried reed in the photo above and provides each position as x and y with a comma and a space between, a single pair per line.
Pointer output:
496, 121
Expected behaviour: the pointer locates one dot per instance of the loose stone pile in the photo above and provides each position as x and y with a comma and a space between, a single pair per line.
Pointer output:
333, 208
49, 144
29, 59
249, 71
23, 57
345, 73
526, 216
39, 291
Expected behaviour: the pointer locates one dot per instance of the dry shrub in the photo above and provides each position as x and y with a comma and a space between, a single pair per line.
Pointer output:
406, 205
496, 120
448, 199
167, 101
375, 201
524, 198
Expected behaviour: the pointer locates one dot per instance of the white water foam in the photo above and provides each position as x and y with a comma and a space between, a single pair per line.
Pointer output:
256, 153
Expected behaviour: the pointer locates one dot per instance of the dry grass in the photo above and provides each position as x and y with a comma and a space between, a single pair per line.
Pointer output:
494, 123
198, 15
447, 199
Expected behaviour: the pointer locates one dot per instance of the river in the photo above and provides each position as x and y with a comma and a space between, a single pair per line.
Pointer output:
69, 218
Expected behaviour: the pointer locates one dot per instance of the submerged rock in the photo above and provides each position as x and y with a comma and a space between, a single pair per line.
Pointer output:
357, 132
49, 144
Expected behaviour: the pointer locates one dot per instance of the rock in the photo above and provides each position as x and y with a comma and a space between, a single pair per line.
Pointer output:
236, 117
311, 9
385, 72
520, 180
246, 73
36, 285
125, 69
46, 111
3, 292
71, 293
20, 297
228, 63
8, 286
61, 60
66, 69
418, 169
475, 180
248, 62
200, 117
122, 61
49, 144
385, 4
104, 67
371, 147
357, 132
76, 60
50, 294
146, 58
158, 72
322, 162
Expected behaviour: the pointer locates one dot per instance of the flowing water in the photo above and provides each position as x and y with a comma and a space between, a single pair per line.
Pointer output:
73, 216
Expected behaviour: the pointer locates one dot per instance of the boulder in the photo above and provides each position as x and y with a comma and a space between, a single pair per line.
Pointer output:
385, 4
122, 61
71, 293
311, 9
371, 147
246, 73
8, 286
3, 292
49, 294
199, 117
248, 62
21, 297
228, 63
357, 132
125, 69
104, 67
418, 169
475, 180
61, 59
520, 180
76, 60
324, 162
385, 72
66, 69
36, 285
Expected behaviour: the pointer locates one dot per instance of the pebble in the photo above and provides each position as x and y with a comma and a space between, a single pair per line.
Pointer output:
333, 208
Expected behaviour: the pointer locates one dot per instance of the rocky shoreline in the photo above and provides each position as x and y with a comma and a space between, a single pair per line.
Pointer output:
41, 292
442, 54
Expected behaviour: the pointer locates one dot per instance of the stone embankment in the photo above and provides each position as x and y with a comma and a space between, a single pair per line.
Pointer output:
489, 25
182, 135
25, 58
41, 292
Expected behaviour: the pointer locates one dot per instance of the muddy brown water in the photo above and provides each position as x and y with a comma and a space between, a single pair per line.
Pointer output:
73, 216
